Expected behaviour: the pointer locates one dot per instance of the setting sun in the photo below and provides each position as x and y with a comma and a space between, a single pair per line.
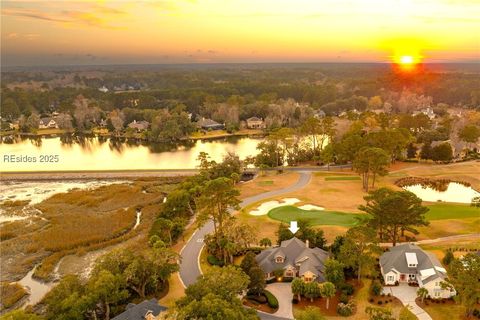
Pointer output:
406, 60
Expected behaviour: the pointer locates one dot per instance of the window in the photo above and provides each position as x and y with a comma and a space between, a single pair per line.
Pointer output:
307, 279
390, 278
279, 259
411, 276
289, 273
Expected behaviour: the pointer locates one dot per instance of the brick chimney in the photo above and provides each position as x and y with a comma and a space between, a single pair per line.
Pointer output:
307, 243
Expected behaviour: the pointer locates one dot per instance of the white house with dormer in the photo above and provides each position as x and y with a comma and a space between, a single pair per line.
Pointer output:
409, 263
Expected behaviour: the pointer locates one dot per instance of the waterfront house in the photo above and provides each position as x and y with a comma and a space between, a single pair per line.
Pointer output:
255, 123
408, 263
294, 258
209, 124
139, 125
47, 122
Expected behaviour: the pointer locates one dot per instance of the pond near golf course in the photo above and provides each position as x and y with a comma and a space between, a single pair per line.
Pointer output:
454, 192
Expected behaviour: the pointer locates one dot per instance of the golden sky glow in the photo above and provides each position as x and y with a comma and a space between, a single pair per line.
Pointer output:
202, 31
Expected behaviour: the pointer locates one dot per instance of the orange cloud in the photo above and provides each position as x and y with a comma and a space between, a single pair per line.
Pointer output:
90, 14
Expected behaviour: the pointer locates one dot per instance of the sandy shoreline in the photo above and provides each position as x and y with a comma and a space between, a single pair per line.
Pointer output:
92, 175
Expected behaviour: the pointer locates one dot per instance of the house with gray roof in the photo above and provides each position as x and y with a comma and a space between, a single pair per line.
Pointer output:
147, 310
209, 124
296, 259
139, 125
409, 263
255, 123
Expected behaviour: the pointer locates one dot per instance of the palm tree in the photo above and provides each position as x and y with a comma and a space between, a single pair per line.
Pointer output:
298, 287
422, 293
328, 291
312, 290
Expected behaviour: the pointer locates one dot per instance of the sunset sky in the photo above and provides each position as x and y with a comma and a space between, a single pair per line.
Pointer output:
208, 31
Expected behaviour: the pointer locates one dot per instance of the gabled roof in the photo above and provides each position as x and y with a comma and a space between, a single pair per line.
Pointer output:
428, 267
139, 124
295, 253
254, 119
46, 120
139, 311
207, 122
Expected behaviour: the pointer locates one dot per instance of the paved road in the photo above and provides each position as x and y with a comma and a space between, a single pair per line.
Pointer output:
189, 266
190, 254
407, 296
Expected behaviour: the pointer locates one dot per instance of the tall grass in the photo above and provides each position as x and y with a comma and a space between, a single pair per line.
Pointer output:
84, 220
10, 294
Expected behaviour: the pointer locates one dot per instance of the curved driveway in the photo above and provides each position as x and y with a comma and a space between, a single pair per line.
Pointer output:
190, 254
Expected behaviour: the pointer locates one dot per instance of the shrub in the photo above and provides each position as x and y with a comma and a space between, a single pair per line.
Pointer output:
343, 298
214, 261
294, 300
271, 299
376, 288
346, 309
347, 288
257, 298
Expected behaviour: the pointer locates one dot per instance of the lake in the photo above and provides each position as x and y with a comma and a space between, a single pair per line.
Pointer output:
455, 192
96, 153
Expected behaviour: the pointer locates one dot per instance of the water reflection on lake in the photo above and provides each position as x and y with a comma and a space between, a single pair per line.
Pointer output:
455, 192
99, 153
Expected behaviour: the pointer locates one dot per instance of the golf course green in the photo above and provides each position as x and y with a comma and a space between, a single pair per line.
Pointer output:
315, 217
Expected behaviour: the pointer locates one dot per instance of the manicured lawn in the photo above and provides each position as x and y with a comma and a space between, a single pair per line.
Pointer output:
340, 178
321, 217
447, 311
440, 211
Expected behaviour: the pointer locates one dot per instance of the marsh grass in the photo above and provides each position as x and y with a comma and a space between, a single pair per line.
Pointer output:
10, 294
80, 221
15, 203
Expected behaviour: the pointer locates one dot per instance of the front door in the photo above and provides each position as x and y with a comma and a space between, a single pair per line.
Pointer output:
402, 277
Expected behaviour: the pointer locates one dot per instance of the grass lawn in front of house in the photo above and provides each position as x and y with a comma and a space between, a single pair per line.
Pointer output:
315, 217
446, 311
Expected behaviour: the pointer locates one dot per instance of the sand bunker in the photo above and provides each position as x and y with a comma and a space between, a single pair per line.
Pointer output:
265, 207
311, 207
